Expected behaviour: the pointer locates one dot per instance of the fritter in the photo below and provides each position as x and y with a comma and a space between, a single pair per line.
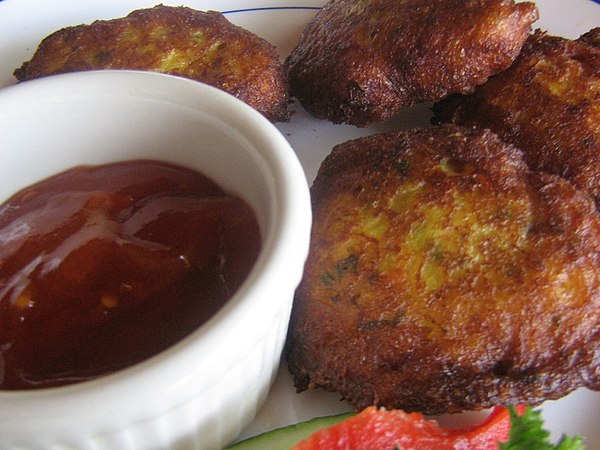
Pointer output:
362, 61
592, 37
547, 104
203, 46
444, 275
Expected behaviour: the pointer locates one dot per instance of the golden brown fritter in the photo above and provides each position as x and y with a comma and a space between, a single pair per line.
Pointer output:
203, 46
547, 104
360, 61
592, 37
444, 275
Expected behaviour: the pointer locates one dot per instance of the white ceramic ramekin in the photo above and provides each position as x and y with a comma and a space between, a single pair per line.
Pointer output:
203, 391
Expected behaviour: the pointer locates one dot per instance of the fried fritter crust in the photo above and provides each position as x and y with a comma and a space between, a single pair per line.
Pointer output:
592, 37
363, 61
203, 46
443, 275
547, 104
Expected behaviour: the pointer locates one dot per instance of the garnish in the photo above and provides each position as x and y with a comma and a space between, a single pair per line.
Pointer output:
527, 432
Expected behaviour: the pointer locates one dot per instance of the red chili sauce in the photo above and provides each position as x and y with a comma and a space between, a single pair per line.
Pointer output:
102, 267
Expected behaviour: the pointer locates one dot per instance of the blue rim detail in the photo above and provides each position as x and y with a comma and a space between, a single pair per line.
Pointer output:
271, 8
278, 8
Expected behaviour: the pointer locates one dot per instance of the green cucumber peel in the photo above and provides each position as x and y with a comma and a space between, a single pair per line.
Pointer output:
285, 438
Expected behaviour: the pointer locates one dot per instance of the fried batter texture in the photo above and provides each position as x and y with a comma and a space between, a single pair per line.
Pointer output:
362, 61
444, 275
203, 46
547, 104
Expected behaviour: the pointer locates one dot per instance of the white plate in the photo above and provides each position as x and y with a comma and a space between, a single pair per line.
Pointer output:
23, 23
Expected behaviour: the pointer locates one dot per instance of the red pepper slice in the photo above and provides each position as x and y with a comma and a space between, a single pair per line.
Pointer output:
378, 428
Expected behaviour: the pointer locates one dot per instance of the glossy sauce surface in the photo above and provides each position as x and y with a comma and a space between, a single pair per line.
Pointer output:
102, 267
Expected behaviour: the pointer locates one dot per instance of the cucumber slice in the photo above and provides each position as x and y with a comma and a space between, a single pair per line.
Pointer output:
285, 438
